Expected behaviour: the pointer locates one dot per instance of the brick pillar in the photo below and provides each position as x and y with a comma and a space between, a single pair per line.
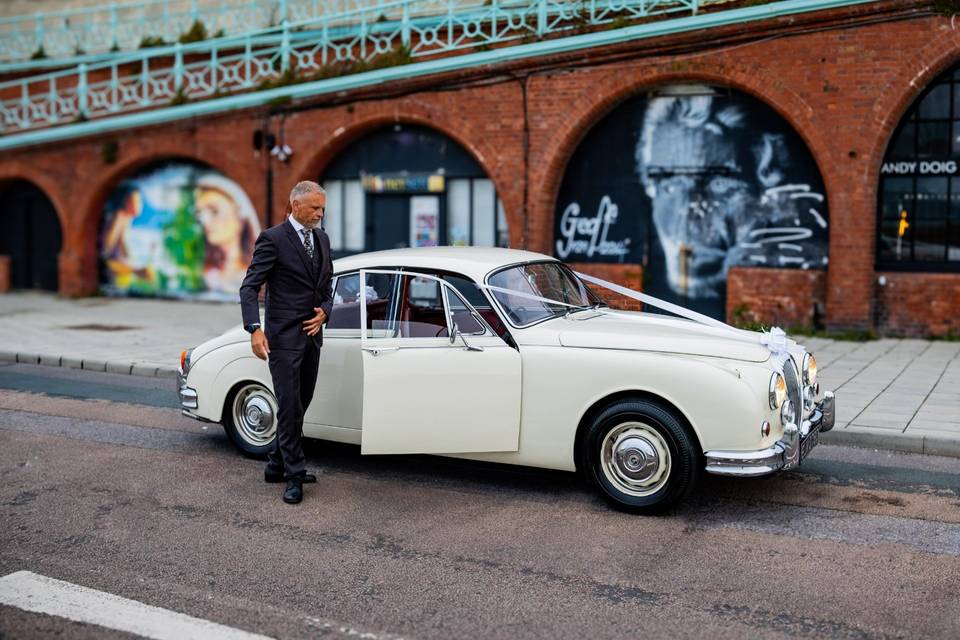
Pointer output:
4, 274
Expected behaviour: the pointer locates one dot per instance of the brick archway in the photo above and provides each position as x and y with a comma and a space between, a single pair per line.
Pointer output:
88, 225
594, 105
903, 89
51, 190
368, 117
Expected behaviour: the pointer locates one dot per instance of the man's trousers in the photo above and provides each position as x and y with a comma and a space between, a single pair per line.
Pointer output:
294, 373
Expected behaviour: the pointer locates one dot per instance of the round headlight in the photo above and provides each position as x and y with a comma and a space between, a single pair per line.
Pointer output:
809, 369
778, 390
788, 414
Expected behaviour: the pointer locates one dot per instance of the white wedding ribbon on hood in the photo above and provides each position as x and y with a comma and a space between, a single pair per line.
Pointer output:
774, 339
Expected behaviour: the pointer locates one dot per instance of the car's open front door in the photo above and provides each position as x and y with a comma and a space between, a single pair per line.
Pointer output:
422, 391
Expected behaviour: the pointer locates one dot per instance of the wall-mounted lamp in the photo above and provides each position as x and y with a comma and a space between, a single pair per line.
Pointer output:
281, 152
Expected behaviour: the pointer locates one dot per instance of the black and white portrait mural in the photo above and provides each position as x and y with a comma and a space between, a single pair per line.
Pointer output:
689, 181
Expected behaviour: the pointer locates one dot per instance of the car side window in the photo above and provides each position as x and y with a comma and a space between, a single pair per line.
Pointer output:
467, 323
422, 314
382, 301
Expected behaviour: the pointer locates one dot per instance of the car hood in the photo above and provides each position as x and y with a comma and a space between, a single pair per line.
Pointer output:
654, 332
231, 336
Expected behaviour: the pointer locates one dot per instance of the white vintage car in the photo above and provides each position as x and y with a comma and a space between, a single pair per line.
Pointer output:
507, 356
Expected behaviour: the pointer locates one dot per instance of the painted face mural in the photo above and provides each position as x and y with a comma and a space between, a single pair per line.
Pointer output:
177, 230
708, 180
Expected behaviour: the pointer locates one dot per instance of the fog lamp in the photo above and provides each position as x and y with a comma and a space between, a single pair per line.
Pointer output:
788, 414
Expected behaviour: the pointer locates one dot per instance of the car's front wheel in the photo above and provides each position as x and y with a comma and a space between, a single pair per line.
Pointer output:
641, 456
250, 419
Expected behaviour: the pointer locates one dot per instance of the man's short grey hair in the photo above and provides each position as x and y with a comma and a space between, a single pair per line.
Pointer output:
304, 187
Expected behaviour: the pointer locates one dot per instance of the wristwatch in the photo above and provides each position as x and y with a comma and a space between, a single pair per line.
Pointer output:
250, 328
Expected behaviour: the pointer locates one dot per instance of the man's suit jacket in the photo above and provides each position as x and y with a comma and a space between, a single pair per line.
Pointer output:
295, 285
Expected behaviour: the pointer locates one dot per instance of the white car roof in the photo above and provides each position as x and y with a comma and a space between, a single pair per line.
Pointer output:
474, 262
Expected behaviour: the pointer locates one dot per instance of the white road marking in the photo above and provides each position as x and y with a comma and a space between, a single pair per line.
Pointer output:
32, 592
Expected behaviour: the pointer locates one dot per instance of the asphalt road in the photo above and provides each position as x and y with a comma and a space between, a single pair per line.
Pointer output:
105, 485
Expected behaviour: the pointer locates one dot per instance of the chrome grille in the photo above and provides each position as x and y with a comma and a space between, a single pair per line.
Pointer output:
791, 375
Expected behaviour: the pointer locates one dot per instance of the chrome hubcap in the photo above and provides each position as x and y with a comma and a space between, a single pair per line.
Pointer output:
254, 414
635, 458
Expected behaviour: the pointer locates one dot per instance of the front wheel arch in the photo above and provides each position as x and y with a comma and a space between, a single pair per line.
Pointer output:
622, 396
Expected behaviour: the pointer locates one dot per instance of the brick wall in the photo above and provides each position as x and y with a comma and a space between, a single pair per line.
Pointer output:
787, 298
834, 76
919, 304
625, 275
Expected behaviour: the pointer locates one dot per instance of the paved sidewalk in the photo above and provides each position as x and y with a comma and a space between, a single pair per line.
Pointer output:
891, 394
142, 337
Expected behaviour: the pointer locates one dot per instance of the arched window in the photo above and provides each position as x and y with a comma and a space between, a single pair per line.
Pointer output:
919, 194
409, 186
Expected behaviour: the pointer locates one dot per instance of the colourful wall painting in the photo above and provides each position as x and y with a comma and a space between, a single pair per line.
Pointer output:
177, 230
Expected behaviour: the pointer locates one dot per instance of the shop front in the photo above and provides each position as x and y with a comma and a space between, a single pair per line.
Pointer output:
409, 186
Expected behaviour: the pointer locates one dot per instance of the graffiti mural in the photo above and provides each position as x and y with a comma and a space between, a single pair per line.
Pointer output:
690, 181
177, 229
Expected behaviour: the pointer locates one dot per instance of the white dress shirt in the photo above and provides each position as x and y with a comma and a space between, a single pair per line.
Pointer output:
298, 228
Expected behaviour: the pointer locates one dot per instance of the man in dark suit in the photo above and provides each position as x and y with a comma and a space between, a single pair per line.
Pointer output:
293, 259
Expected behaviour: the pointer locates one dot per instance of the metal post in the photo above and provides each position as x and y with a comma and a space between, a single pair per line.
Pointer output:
247, 60
114, 88
541, 17
52, 113
405, 25
285, 48
38, 30
326, 41
177, 67
194, 10
282, 10
82, 89
113, 26
145, 81
213, 69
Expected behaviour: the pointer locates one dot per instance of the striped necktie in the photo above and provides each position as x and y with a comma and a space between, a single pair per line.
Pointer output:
308, 241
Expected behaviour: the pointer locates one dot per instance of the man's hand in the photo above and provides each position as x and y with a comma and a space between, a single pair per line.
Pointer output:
312, 326
258, 342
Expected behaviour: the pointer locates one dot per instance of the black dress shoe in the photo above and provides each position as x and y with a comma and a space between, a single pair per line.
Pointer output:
277, 476
294, 492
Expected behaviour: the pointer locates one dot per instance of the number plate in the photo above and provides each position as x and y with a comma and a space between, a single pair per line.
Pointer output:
808, 443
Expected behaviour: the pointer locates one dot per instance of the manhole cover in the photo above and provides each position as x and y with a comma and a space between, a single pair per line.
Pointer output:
100, 327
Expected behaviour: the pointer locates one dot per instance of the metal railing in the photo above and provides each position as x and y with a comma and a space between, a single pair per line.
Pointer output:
384, 34
125, 26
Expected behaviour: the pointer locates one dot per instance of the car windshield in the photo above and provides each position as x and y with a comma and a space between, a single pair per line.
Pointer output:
552, 281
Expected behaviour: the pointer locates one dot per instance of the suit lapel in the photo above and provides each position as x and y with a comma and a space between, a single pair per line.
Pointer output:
320, 248
291, 234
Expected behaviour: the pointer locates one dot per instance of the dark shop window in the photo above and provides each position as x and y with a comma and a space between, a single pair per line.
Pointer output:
918, 209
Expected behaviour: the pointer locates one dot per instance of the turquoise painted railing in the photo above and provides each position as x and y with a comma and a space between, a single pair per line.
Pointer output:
123, 26
396, 32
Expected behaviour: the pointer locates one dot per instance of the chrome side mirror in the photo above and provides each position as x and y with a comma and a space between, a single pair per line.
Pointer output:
454, 332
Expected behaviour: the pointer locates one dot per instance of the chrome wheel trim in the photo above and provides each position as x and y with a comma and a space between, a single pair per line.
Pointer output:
635, 458
255, 414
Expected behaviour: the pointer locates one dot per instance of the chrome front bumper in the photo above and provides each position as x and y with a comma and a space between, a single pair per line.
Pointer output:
785, 454
188, 396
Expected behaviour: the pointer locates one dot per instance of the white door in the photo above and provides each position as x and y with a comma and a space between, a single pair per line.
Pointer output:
423, 393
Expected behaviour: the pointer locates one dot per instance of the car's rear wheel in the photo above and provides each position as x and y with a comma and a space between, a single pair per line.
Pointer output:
250, 419
641, 456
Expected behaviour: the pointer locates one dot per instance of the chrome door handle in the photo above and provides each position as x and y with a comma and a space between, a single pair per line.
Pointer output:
378, 350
